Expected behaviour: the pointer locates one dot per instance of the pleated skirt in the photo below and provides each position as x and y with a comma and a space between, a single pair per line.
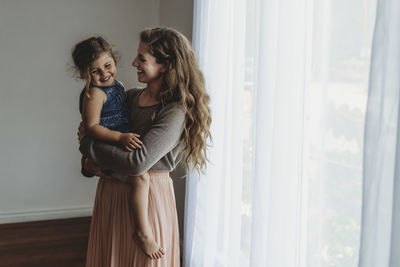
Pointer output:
110, 240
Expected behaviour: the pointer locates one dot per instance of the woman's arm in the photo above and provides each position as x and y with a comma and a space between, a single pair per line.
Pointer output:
163, 136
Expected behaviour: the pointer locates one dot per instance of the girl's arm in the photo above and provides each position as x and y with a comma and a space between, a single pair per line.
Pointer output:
92, 106
163, 137
91, 117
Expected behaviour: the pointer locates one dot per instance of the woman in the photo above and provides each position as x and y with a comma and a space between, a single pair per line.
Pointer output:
173, 118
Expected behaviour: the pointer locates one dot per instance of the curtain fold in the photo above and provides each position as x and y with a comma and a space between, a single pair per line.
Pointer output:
214, 225
278, 133
213, 203
380, 234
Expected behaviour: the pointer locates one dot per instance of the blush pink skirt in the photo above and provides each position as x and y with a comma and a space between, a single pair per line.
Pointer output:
110, 240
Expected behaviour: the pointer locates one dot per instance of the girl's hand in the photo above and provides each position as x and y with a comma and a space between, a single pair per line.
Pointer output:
81, 131
130, 141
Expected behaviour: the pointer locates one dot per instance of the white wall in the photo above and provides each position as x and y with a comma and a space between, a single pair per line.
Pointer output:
39, 159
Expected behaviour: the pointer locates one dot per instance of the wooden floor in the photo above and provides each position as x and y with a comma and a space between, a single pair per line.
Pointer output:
55, 243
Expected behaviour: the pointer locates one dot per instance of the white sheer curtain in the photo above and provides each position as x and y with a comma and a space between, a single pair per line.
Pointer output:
288, 81
380, 239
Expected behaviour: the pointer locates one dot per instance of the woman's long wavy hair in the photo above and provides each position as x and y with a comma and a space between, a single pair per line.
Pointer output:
183, 82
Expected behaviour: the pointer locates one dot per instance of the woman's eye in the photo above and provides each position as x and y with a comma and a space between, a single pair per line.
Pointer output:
108, 66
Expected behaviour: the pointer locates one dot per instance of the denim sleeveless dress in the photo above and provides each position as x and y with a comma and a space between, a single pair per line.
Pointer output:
114, 114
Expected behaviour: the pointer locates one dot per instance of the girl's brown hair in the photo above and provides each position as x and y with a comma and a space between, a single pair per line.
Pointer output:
86, 52
183, 82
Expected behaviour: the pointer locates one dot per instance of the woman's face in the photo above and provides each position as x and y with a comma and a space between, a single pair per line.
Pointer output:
149, 71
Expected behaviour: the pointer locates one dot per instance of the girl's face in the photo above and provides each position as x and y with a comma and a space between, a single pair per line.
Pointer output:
103, 70
148, 70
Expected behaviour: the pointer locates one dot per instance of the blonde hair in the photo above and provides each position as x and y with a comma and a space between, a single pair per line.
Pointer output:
183, 82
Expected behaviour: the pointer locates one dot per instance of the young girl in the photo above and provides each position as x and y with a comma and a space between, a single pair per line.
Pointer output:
105, 117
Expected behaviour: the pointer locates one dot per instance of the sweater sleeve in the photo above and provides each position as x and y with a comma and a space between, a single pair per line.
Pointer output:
162, 137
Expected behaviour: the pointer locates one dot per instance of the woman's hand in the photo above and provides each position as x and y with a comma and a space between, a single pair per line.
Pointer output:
96, 170
130, 141
89, 166
81, 131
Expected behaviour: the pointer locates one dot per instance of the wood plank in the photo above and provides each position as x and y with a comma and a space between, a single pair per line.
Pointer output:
45, 243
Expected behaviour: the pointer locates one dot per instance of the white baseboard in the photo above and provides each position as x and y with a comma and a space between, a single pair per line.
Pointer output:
47, 214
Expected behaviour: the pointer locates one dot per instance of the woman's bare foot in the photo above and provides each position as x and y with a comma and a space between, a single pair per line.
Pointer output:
149, 245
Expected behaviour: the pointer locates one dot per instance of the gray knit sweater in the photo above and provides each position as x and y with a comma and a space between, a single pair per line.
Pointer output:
161, 141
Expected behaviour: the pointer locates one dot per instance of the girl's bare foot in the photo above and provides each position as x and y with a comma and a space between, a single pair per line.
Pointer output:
149, 245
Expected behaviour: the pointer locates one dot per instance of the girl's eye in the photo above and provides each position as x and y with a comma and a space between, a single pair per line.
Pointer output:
94, 71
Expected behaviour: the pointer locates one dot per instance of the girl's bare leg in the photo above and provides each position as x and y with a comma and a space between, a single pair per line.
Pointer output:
139, 201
